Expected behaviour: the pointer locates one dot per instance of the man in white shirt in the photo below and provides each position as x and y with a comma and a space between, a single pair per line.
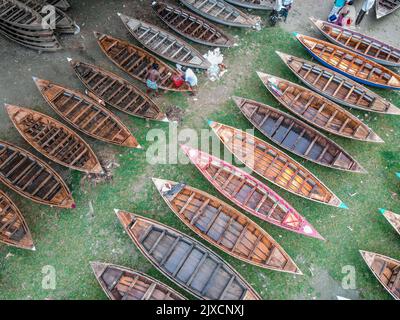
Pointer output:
367, 5
190, 78
284, 5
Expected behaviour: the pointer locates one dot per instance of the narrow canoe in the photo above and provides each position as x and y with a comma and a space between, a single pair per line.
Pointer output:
54, 140
225, 227
164, 44
120, 283
61, 4
317, 110
337, 87
32, 178
386, 270
274, 165
385, 7
86, 115
221, 12
185, 261
297, 137
392, 218
117, 92
137, 62
250, 194
254, 4
357, 42
192, 26
351, 64
13, 229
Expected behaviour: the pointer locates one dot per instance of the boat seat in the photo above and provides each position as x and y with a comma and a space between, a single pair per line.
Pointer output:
387, 76
368, 66
358, 62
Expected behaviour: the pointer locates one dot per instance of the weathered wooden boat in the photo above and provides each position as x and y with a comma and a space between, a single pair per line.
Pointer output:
274, 165
117, 92
249, 193
137, 62
164, 44
254, 4
185, 261
13, 229
350, 64
32, 178
297, 137
192, 26
120, 283
61, 4
392, 218
86, 115
337, 87
221, 12
385, 7
386, 270
374, 49
54, 140
316, 110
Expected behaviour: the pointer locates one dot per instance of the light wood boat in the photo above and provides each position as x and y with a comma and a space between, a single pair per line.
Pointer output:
316, 110
186, 261
386, 270
392, 218
385, 7
250, 194
337, 87
120, 283
351, 64
254, 4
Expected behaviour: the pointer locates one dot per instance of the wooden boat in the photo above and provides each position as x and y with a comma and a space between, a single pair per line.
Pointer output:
357, 42
316, 110
385, 7
386, 270
117, 92
120, 283
225, 227
13, 229
254, 4
351, 64
392, 218
185, 261
32, 178
164, 44
192, 26
54, 140
86, 115
61, 4
337, 87
297, 137
221, 12
137, 62
250, 194
274, 165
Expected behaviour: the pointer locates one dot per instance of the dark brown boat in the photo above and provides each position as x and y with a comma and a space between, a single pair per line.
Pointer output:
117, 92
254, 4
186, 261
120, 283
137, 62
32, 178
317, 110
13, 229
54, 140
337, 87
385, 7
192, 26
86, 115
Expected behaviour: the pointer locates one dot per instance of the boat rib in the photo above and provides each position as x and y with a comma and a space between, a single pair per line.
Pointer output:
385, 7
137, 62
54, 140
249, 193
337, 87
32, 178
192, 26
13, 229
120, 283
86, 115
117, 92
392, 218
351, 64
185, 261
164, 44
274, 165
254, 4
386, 270
316, 110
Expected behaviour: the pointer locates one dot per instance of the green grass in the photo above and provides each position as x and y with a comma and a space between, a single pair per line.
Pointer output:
69, 240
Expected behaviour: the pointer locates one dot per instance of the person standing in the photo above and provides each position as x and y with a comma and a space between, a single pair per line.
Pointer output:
152, 79
367, 5
282, 7
337, 7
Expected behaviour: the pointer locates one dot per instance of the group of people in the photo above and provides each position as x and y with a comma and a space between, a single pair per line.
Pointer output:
340, 13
